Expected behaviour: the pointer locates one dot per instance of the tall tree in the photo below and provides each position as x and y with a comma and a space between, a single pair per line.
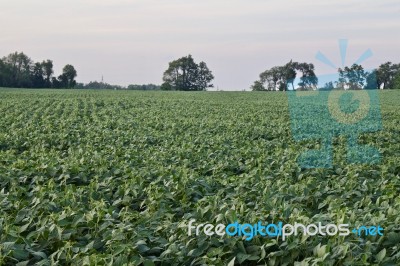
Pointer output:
308, 79
354, 77
280, 77
394, 73
184, 74
272, 78
47, 67
67, 78
37, 78
386, 74
290, 73
20, 67
396, 81
5, 75
372, 82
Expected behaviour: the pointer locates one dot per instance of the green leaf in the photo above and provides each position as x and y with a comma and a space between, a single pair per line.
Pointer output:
242, 257
20, 254
381, 255
148, 263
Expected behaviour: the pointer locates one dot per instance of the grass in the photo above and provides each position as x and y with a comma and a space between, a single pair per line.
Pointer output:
113, 177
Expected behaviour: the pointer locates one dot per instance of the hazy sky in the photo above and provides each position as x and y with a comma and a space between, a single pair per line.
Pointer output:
133, 41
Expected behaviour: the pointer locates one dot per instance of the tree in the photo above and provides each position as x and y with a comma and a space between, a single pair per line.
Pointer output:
184, 74
258, 86
67, 78
372, 82
386, 74
20, 66
47, 68
278, 78
5, 74
394, 73
308, 80
144, 87
328, 86
396, 81
290, 73
273, 78
166, 86
37, 78
17, 70
353, 77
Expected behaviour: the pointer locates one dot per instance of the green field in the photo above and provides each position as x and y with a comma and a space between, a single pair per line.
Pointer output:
113, 177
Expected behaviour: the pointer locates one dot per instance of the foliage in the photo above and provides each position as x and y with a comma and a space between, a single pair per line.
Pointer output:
278, 78
328, 86
258, 86
143, 87
372, 81
113, 177
386, 74
186, 75
17, 70
105, 86
352, 78
67, 78
396, 81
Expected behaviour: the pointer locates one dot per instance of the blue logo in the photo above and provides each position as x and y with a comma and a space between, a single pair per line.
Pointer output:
346, 107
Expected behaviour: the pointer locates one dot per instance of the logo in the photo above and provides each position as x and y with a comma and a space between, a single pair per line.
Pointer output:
280, 230
345, 106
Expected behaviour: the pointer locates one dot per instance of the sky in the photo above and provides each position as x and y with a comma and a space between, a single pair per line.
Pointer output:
131, 42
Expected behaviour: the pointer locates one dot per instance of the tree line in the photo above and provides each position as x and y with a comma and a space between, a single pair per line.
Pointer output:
355, 77
17, 70
105, 86
184, 74
278, 78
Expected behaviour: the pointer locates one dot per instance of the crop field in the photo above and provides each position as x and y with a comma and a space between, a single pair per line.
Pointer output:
114, 177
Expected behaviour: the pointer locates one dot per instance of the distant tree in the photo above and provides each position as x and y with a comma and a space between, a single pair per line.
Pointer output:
67, 78
144, 87
166, 86
386, 74
203, 77
290, 73
328, 86
258, 86
20, 66
394, 73
279, 78
56, 83
80, 86
308, 80
396, 81
17, 70
184, 74
5, 75
47, 68
37, 76
372, 82
353, 77
272, 78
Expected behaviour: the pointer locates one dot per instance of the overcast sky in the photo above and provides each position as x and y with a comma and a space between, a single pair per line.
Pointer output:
131, 42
